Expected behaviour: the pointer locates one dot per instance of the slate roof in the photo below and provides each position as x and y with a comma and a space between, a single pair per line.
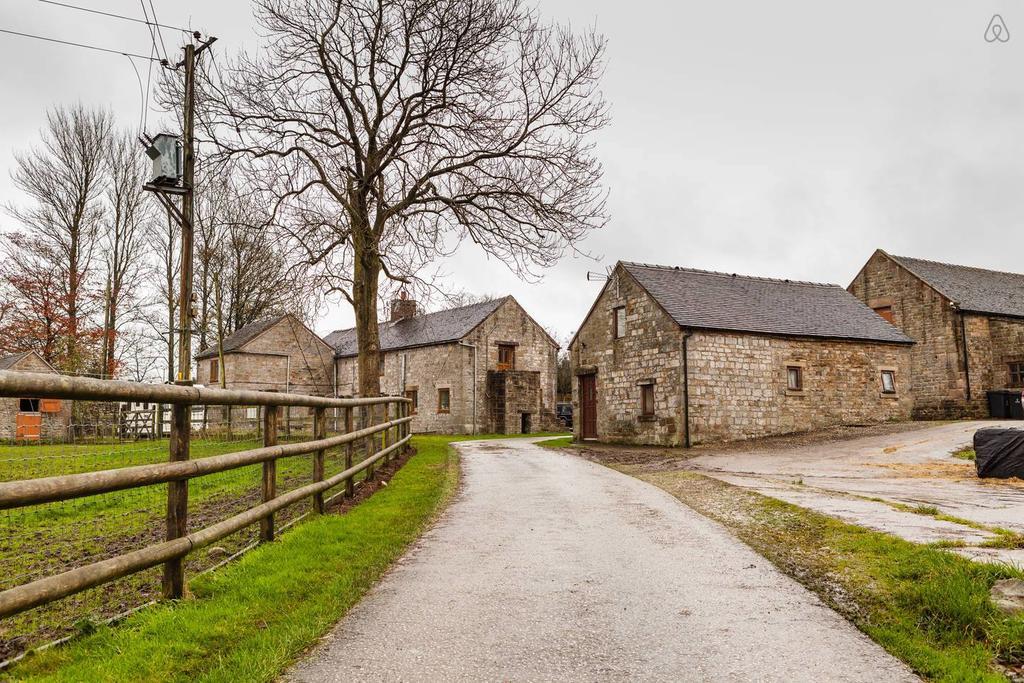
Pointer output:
8, 362
720, 301
421, 330
242, 336
972, 289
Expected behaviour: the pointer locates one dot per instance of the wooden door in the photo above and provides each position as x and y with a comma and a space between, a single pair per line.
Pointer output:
588, 406
28, 426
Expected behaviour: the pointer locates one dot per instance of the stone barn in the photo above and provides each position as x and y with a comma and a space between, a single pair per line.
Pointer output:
968, 324
675, 356
487, 367
274, 354
28, 418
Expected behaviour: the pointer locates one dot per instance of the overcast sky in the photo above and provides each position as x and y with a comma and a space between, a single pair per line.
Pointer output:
786, 139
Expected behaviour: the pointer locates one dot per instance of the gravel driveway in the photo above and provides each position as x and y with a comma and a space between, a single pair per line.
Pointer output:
549, 567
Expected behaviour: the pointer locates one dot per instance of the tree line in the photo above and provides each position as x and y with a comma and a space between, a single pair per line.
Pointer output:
361, 144
91, 262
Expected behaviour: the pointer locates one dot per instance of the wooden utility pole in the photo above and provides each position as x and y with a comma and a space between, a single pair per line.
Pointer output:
187, 213
184, 215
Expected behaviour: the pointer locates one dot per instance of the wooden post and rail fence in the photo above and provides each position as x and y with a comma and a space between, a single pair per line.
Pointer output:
180, 469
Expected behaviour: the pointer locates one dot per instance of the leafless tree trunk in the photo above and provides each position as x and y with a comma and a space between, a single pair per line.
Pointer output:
129, 219
65, 177
387, 131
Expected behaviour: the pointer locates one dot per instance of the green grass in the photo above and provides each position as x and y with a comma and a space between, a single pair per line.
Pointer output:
927, 606
965, 454
249, 620
561, 442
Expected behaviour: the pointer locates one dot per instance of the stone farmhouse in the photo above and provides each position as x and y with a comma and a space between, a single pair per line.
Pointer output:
968, 324
32, 419
675, 356
486, 367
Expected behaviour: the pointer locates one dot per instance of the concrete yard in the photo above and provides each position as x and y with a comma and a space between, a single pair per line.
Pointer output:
857, 479
550, 567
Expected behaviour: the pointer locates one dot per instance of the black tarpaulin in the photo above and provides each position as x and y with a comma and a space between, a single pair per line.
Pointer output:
999, 453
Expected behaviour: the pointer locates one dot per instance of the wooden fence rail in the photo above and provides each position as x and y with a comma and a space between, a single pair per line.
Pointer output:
179, 470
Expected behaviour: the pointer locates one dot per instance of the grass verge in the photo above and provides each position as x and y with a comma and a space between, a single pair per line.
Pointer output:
926, 606
251, 619
965, 454
561, 442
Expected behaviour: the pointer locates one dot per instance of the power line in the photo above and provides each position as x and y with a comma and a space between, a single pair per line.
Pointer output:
116, 16
158, 31
68, 42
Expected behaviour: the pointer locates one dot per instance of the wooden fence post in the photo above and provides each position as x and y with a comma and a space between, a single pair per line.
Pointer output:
269, 471
406, 428
177, 501
369, 417
386, 410
349, 447
319, 432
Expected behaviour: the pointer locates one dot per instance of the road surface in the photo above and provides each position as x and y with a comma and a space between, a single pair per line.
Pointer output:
850, 478
548, 567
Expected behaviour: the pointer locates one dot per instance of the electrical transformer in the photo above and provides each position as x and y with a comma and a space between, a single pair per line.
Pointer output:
167, 159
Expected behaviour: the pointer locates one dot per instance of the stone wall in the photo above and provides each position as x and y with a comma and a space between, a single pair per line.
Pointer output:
511, 395
1007, 343
737, 381
425, 370
449, 366
649, 352
738, 385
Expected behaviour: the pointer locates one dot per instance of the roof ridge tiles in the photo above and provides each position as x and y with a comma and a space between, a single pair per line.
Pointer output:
759, 278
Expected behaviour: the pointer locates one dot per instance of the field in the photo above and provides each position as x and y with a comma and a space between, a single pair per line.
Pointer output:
44, 540
250, 619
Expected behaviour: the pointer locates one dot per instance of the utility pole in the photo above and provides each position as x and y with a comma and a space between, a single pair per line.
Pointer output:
184, 216
187, 213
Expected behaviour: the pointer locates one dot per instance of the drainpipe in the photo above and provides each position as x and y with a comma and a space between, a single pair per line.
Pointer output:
967, 360
472, 346
686, 388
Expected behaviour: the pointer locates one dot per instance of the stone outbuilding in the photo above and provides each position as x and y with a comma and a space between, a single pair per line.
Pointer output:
675, 356
486, 367
274, 354
28, 418
968, 325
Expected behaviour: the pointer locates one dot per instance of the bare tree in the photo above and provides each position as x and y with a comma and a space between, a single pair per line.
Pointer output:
389, 131
124, 240
64, 177
164, 240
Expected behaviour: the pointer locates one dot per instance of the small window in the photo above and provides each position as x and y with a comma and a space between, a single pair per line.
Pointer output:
214, 370
647, 400
380, 365
444, 400
619, 322
1017, 374
414, 398
888, 382
506, 357
28, 405
885, 312
795, 378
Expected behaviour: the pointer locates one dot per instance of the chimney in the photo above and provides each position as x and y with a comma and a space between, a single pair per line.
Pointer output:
403, 307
